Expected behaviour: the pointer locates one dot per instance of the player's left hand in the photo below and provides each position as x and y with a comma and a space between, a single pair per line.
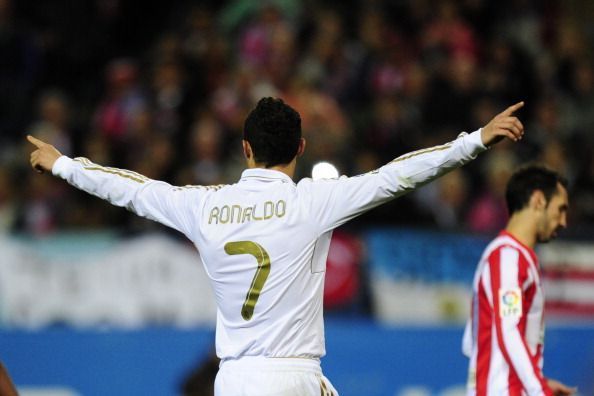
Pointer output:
44, 157
503, 125
560, 389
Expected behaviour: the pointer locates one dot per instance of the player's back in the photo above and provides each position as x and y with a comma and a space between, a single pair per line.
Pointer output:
258, 243
264, 240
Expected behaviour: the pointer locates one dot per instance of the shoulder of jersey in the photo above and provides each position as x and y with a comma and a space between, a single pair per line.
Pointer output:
309, 180
198, 187
505, 242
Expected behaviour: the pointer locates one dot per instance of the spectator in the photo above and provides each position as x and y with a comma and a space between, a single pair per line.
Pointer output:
376, 76
8, 207
54, 120
123, 99
488, 212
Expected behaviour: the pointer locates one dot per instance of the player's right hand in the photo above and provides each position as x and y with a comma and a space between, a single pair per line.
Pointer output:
44, 157
503, 125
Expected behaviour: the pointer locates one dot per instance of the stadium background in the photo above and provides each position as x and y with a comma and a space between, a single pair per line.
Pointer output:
96, 301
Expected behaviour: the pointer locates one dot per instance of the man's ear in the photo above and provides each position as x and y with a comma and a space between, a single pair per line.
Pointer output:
301, 148
247, 150
538, 200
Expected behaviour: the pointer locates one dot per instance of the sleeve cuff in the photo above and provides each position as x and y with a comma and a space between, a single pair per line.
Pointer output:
476, 138
61, 166
475, 141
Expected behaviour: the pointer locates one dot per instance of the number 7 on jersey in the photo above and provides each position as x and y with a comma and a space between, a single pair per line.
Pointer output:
263, 259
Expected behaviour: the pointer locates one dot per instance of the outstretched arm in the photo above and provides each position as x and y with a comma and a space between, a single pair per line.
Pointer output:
337, 201
172, 206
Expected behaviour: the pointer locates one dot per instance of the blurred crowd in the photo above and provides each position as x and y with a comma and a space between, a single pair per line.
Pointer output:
163, 88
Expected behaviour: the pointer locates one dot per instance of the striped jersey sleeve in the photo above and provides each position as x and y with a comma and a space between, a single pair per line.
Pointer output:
506, 359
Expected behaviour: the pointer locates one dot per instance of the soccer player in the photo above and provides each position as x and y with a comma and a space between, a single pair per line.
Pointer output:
263, 241
504, 337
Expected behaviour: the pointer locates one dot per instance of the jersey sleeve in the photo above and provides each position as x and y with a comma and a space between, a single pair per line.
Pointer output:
508, 282
154, 200
337, 201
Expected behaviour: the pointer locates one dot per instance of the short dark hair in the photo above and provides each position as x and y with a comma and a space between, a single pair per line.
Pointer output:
273, 130
528, 179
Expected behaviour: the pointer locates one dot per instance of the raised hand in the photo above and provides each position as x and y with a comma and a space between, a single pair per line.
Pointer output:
503, 125
44, 157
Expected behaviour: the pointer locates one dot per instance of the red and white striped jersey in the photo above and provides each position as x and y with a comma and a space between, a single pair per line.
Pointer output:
505, 335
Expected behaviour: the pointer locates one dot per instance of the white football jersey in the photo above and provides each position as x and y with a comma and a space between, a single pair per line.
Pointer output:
264, 240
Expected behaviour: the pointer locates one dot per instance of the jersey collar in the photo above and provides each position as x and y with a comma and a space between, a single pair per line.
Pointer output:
267, 175
528, 248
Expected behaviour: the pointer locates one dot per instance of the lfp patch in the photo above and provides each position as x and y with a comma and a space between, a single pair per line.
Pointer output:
510, 303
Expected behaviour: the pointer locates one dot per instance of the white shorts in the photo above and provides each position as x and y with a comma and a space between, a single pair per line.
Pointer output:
260, 376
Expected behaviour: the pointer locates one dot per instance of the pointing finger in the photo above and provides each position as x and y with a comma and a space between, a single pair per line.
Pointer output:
511, 109
36, 142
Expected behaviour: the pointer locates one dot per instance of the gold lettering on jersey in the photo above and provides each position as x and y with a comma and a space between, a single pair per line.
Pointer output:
225, 213
237, 214
268, 210
255, 216
235, 209
247, 214
281, 208
214, 214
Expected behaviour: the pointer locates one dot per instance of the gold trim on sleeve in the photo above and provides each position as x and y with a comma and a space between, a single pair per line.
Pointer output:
208, 188
88, 165
424, 151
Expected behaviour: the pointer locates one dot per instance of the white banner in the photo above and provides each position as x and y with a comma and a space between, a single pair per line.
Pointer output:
147, 280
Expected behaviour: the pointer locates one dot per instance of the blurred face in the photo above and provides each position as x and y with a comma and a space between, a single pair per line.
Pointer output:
54, 110
554, 216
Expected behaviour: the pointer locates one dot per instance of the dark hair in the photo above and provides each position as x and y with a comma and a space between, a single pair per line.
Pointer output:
273, 130
528, 179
